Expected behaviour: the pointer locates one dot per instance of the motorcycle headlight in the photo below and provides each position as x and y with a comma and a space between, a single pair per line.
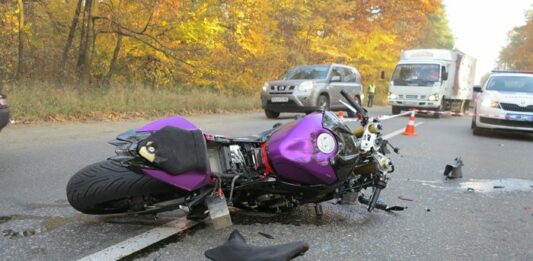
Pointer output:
325, 143
392, 96
305, 86
265, 86
433, 97
490, 102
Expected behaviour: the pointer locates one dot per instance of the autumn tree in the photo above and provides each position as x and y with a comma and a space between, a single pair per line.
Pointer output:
231, 45
518, 54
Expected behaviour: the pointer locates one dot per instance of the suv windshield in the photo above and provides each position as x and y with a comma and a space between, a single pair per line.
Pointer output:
307, 73
510, 84
416, 74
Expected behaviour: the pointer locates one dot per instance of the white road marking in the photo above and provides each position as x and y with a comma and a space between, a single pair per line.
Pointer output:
146, 239
400, 131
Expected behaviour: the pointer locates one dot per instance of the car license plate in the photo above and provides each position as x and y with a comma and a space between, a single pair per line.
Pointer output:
280, 99
519, 117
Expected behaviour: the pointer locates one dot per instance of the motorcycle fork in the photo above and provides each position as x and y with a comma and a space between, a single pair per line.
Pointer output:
380, 182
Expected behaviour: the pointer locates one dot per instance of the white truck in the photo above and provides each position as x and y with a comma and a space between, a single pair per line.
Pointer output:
432, 79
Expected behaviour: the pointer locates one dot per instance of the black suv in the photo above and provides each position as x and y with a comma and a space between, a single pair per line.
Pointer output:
4, 111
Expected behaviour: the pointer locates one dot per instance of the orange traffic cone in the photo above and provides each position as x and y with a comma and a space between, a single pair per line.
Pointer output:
341, 115
410, 128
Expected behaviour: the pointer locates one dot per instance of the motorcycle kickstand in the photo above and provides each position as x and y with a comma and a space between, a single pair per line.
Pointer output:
318, 210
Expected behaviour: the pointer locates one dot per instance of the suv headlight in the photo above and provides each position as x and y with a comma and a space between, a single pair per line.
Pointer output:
490, 102
392, 96
305, 86
433, 97
265, 86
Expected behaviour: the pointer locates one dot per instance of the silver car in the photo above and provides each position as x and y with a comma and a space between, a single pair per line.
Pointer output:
310, 88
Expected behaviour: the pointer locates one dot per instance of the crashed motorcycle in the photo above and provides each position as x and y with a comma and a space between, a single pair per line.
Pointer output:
170, 164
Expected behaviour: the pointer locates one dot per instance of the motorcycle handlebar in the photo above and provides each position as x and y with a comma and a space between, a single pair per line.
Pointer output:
354, 104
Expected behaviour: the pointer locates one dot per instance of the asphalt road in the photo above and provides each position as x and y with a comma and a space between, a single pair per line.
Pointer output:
462, 219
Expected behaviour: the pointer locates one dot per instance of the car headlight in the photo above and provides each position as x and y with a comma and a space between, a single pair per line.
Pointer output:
305, 86
265, 86
434, 97
490, 102
392, 96
325, 143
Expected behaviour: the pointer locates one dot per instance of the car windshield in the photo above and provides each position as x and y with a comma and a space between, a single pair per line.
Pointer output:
307, 73
416, 74
510, 84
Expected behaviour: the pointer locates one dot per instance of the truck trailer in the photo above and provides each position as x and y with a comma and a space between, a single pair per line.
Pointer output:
432, 79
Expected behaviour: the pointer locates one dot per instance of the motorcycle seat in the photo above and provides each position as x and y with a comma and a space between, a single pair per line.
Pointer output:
236, 248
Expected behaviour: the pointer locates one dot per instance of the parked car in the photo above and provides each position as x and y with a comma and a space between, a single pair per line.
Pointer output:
310, 88
4, 111
505, 102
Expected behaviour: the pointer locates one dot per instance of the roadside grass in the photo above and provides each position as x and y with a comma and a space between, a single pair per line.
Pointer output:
48, 103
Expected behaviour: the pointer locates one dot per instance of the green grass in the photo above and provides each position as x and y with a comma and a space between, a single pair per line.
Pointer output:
45, 102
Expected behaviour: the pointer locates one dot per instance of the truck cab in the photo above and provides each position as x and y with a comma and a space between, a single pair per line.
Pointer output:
431, 79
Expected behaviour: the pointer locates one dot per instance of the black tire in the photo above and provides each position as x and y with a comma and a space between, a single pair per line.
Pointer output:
323, 102
107, 187
271, 114
437, 113
396, 110
477, 131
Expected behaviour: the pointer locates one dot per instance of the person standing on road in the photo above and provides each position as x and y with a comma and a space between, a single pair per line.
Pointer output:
371, 91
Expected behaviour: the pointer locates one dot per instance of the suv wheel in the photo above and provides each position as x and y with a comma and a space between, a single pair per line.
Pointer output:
271, 114
323, 102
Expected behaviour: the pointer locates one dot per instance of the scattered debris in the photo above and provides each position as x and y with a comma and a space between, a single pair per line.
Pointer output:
453, 171
4, 219
406, 197
265, 235
10, 233
470, 190
428, 210
498, 187
235, 248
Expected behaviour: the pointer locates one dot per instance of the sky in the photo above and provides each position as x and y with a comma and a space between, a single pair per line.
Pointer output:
480, 27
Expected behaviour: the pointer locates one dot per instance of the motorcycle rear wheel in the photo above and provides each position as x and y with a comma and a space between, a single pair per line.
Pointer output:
107, 187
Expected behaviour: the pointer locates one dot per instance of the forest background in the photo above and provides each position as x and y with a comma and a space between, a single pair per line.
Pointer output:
110, 59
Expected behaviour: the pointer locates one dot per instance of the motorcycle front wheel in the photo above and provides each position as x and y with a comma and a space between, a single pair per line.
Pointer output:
107, 187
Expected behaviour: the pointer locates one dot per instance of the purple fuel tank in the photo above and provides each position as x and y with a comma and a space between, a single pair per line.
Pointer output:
188, 181
294, 155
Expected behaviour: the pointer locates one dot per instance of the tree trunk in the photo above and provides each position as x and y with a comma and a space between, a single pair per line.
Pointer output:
82, 67
20, 66
112, 65
70, 37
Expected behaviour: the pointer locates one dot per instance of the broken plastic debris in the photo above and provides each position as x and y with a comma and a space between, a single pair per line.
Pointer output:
453, 171
470, 189
236, 248
406, 197
498, 187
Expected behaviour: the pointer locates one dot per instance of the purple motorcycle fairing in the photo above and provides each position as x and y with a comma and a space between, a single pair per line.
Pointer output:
189, 181
294, 155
